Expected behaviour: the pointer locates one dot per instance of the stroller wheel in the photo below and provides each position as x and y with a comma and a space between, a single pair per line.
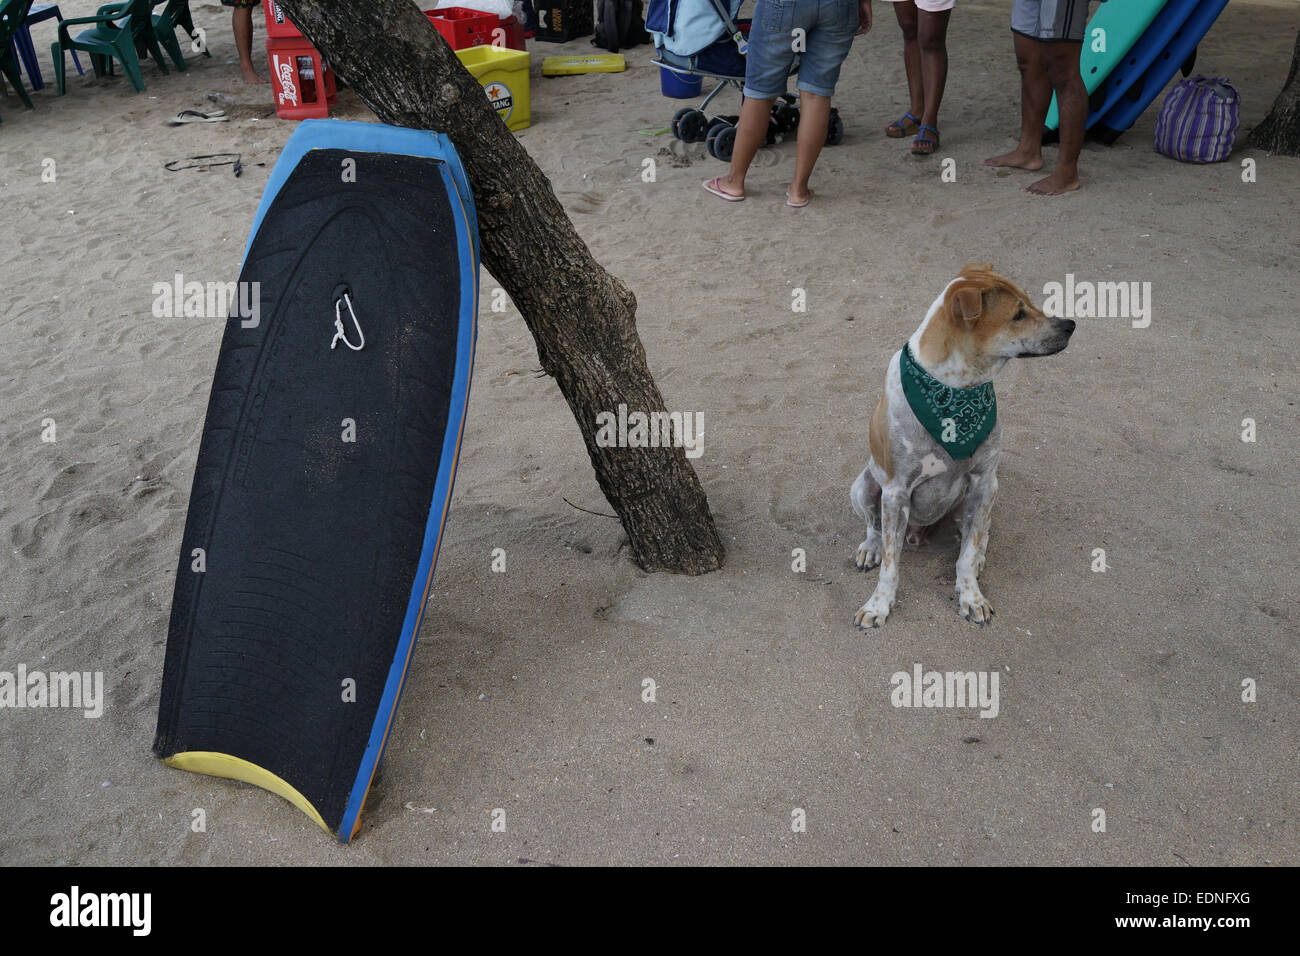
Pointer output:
677, 121
835, 130
786, 116
722, 140
691, 126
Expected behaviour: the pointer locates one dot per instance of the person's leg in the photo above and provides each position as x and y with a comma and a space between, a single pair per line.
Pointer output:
241, 23
751, 131
814, 120
1072, 104
1035, 98
766, 67
905, 11
932, 33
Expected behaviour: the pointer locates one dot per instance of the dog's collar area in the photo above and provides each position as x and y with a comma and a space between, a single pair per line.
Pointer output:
959, 419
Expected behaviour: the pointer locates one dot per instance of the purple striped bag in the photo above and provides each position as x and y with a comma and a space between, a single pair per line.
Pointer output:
1198, 120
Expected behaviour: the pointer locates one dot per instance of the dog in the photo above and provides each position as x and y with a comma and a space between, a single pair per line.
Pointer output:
934, 437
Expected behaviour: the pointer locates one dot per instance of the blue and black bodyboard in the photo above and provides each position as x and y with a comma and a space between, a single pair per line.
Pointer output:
1178, 53
325, 469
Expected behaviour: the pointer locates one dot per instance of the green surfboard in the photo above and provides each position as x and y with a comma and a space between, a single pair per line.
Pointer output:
1122, 23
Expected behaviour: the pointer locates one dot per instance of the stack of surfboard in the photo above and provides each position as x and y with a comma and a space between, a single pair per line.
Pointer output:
1144, 43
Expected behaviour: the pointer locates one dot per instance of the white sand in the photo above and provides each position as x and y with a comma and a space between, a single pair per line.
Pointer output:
1119, 691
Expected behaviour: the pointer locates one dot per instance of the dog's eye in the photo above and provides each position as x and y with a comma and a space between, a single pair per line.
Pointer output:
1020, 314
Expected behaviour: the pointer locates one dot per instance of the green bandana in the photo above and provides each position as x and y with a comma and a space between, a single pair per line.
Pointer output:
958, 418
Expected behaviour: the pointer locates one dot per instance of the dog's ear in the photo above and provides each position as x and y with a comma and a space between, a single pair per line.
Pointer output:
967, 303
974, 267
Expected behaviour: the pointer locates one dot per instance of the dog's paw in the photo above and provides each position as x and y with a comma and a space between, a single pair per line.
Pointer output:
868, 555
974, 606
873, 613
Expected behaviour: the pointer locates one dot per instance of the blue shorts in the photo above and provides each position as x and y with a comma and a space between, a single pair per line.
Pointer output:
822, 29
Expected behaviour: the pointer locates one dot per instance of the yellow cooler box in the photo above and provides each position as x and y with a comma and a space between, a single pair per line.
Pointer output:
504, 76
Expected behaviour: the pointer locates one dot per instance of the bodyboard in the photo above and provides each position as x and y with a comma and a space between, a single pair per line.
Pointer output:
1143, 90
325, 469
1124, 22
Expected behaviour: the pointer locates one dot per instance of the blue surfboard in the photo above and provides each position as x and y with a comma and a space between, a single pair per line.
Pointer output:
1143, 90
325, 469
1143, 53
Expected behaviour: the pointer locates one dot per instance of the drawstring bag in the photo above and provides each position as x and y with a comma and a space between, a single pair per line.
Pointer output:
1198, 120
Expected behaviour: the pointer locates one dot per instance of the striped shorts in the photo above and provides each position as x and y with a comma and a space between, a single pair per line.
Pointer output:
1052, 20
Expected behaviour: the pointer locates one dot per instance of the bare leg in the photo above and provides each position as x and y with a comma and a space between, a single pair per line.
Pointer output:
933, 33
1035, 98
241, 22
814, 119
905, 11
751, 131
1072, 103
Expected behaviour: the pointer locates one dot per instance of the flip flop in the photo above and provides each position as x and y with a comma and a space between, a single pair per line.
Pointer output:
924, 145
713, 187
797, 205
194, 116
901, 126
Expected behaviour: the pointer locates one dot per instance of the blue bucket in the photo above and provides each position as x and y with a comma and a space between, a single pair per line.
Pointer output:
677, 86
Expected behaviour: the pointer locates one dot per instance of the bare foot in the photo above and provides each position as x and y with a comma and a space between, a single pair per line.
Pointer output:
731, 188
1055, 184
1018, 159
251, 77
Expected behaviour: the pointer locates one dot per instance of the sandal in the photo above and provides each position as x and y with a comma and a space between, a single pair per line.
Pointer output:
901, 125
924, 145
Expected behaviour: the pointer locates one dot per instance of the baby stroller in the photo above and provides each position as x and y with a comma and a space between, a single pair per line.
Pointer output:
704, 38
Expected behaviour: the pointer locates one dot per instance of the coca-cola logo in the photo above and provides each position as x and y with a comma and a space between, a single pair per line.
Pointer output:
288, 88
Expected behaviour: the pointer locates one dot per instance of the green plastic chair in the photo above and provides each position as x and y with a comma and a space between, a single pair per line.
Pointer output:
12, 15
118, 28
175, 14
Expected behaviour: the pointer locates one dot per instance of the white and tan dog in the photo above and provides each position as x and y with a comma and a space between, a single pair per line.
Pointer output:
934, 437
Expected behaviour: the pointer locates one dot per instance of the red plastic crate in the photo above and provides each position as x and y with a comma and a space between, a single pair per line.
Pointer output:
514, 34
463, 28
303, 86
278, 26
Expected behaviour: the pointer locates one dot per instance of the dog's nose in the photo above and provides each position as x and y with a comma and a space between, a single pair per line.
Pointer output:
1068, 325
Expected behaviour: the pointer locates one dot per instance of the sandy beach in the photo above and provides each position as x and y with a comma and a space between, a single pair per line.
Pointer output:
1120, 690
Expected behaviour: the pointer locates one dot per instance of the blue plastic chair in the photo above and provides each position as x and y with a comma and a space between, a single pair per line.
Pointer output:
25, 50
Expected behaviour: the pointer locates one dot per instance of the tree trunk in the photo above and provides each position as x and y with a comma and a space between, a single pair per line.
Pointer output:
583, 318
1280, 130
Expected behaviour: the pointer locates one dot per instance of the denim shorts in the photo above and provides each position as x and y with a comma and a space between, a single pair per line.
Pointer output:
827, 33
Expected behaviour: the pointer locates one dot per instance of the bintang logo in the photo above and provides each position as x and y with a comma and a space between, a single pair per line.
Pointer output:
500, 97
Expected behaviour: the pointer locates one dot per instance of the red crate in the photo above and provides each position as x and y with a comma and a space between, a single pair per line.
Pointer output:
463, 28
514, 34
278, 26
302, 84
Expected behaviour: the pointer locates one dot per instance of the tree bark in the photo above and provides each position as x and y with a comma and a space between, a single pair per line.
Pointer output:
583, 318
1280, 130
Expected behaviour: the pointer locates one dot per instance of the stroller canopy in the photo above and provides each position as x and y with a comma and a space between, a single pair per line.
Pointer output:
686, 27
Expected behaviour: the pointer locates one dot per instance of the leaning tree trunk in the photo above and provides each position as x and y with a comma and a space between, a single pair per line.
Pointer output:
583, 318
1280, 130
